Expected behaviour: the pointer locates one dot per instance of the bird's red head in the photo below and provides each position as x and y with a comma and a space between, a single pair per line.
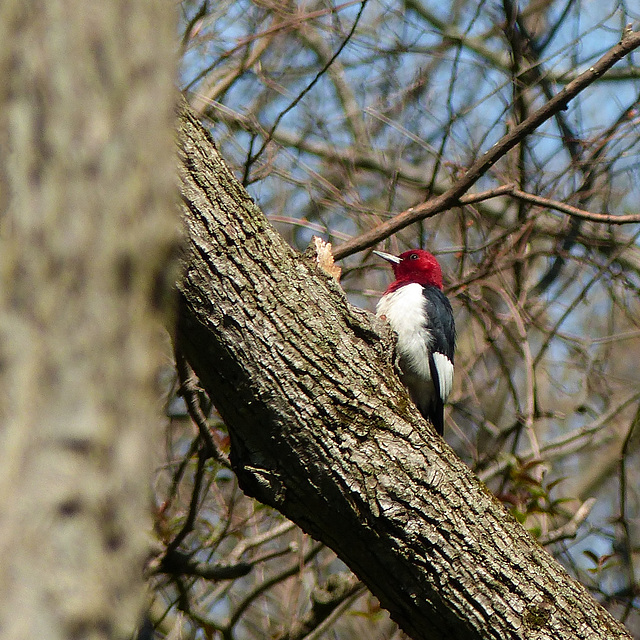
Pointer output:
416, 265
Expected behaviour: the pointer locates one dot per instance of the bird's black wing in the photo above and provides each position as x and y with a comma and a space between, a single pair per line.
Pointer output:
442, 329
441, 324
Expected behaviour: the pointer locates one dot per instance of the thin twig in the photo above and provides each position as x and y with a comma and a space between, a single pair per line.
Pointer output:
289, 571
565, 444
603, 218
201, 13
310, 86
280, 26
569, 530
525, 348
189, 523
327, 623
190, 391
177, 476
339, 592
624, 518
181, 564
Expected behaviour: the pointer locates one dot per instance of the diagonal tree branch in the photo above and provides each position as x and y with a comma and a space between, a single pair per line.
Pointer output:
629, 42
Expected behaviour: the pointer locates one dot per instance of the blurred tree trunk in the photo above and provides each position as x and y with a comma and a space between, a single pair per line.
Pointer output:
322, 430
87, 183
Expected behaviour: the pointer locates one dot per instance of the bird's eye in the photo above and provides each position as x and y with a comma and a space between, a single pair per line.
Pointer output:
413, 256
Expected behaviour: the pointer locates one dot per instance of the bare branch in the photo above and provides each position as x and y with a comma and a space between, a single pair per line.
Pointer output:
181, 564
602, 218
570, 529
190, 390
338, 589
310, 86
629, 42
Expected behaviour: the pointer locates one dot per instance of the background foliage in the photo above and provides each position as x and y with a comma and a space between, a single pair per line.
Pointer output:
338, 116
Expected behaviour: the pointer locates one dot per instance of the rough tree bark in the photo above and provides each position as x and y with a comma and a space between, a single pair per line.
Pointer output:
322, 430
87, 201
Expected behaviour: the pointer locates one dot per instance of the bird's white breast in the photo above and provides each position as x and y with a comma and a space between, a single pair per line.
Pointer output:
405, 311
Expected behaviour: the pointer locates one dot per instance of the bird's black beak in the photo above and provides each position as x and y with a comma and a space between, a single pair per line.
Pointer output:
388, 257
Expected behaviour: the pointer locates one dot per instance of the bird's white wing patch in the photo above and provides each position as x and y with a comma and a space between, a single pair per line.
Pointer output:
445, 373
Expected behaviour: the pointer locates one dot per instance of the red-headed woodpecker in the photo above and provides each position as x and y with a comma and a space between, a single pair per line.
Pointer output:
421, 315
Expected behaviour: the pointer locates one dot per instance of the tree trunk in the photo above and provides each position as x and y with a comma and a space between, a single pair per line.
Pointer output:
87, 194
323, 430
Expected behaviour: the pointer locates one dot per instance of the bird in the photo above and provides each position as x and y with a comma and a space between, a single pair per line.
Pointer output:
421, 315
